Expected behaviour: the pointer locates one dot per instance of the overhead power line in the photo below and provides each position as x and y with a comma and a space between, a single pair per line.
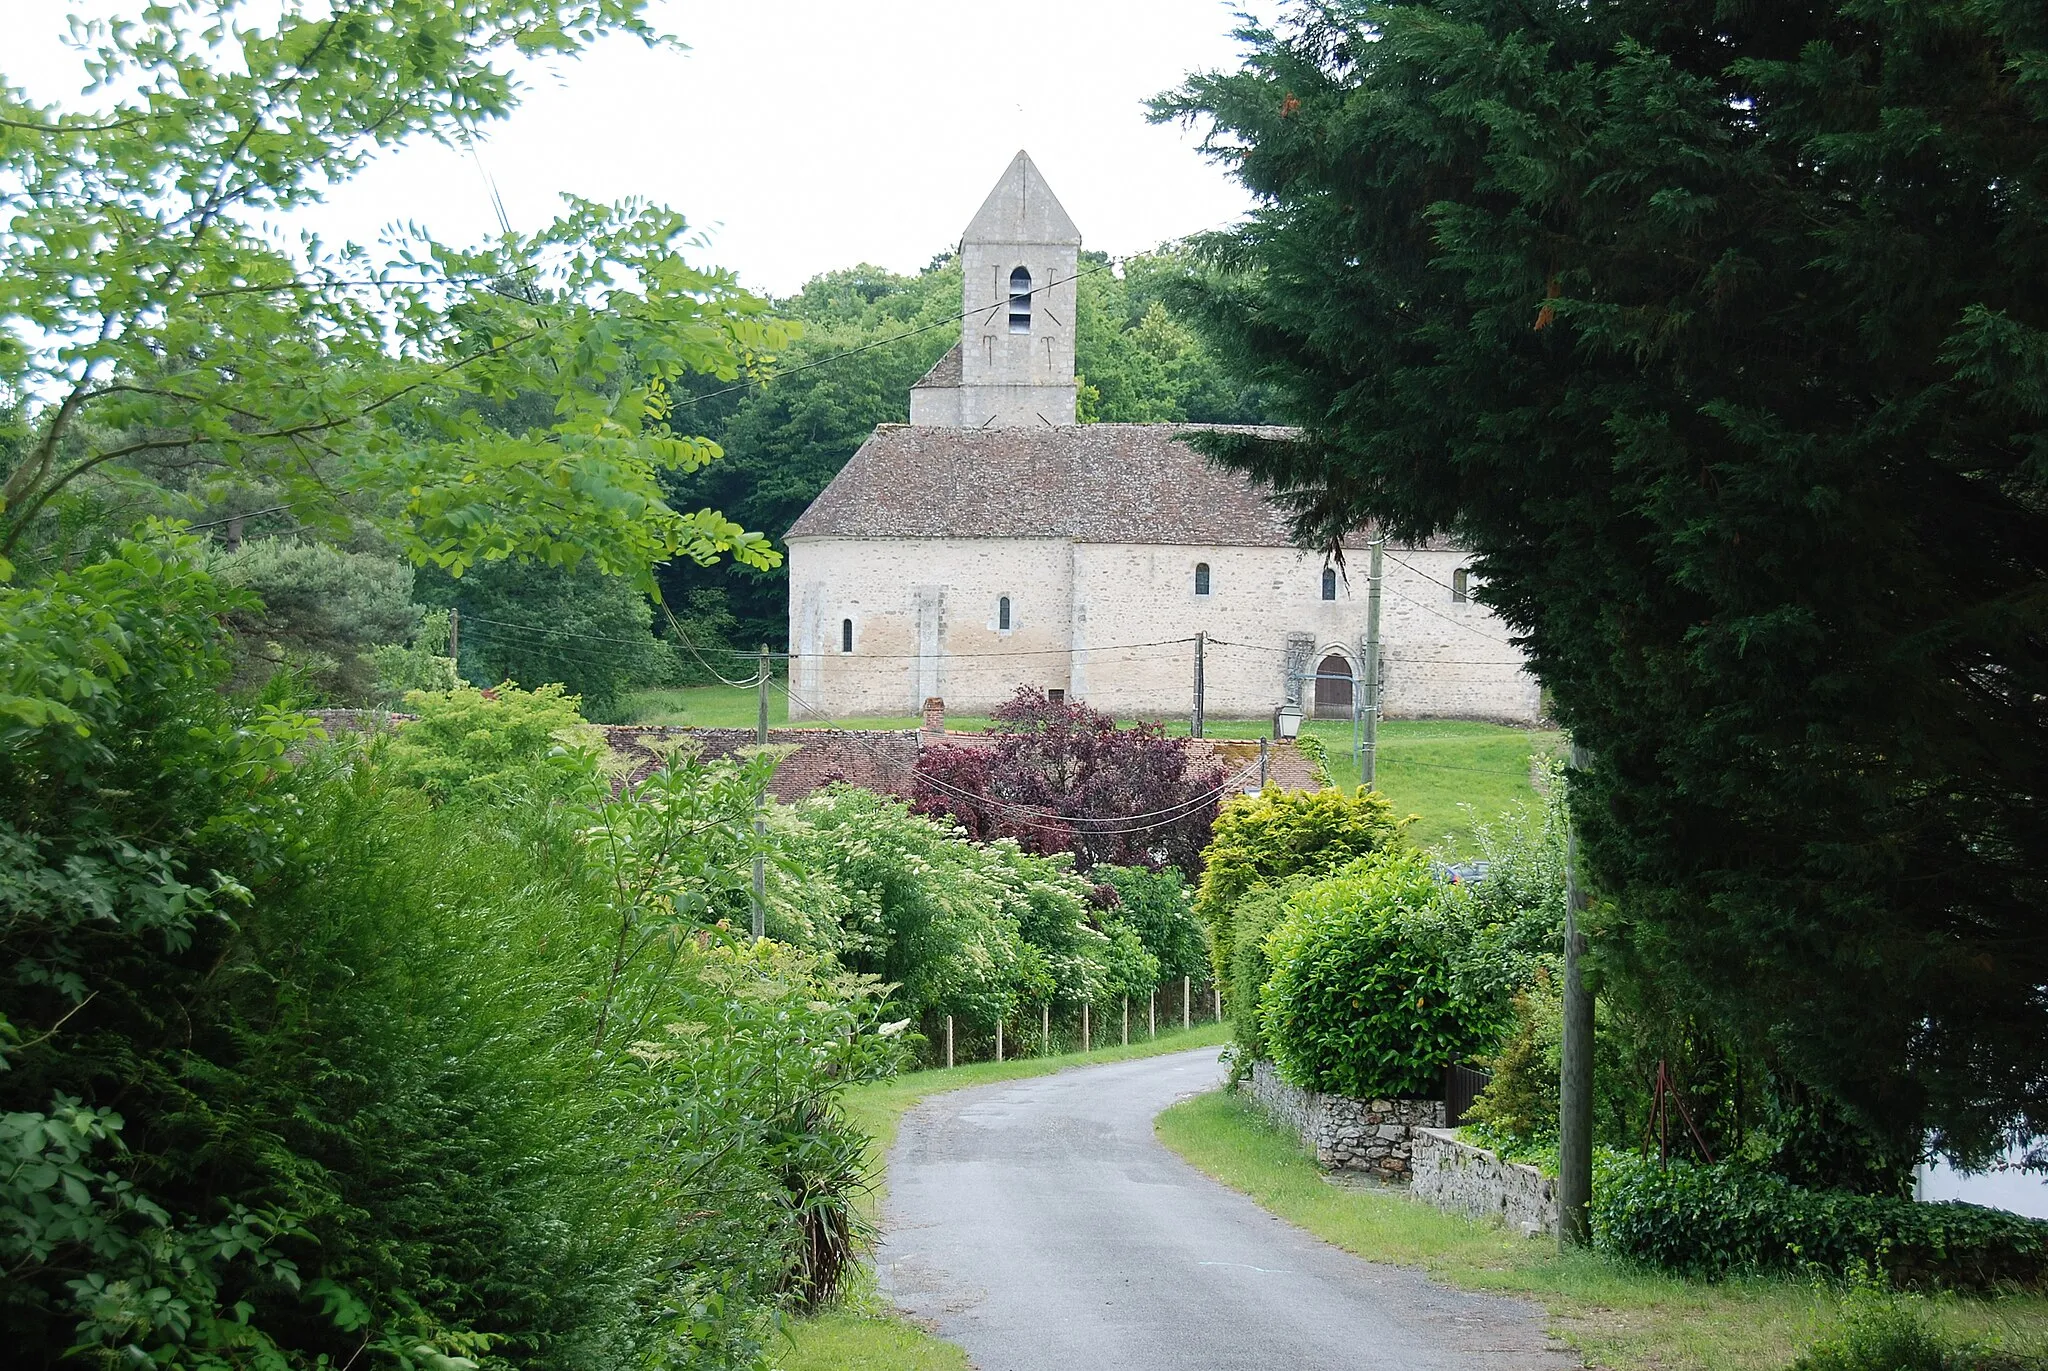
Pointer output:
1024, 813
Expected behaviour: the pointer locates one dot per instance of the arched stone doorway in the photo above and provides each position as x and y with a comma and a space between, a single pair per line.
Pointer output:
1333, 687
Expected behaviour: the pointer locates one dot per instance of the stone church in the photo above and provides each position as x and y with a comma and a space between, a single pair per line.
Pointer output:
992, 542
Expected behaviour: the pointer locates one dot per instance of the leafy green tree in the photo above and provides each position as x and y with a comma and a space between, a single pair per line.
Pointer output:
324, 612
1159, 908
786, 438
147, 307
1719, 332
571, 626
1141, 359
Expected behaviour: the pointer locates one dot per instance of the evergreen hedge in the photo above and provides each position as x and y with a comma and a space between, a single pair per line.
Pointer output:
1728, 1219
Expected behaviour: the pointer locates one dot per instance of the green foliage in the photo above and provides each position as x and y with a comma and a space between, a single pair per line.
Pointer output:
1318, 753
1257, 915
303, 1067
1719, 334
1264, 838
1519, 1107
324, 613
1158, 908
1140, 361
1730, 1219
1517, 910
145, 293
421, 664
575, 627
973, 930
1879, 1333
490, 744
1361, 999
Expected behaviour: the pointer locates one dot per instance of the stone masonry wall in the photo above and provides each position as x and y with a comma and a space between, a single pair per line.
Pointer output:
1343, 1133
1468, 1180
882, 761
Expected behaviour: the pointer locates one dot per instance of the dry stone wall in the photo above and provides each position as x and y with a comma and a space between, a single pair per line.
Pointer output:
1346, 1134
1463, 1179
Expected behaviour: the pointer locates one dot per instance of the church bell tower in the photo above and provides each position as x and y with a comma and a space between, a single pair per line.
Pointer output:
1015, 362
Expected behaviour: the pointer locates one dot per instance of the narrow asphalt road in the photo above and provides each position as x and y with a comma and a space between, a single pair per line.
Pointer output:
1041, 1226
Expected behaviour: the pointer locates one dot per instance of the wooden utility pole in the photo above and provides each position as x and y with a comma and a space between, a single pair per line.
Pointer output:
455, 634
1369, 751
1201, 643
761, 830
1575, 1083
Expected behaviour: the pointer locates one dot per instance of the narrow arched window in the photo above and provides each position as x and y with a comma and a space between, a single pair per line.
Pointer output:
846, 635
1003, 614
1329, 583
1461, 586
1201, 578
1020, 301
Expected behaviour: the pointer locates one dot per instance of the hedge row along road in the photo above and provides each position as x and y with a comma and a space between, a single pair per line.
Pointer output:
1042, 1227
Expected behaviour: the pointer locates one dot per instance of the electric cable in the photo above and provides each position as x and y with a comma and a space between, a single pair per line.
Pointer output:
1175, 812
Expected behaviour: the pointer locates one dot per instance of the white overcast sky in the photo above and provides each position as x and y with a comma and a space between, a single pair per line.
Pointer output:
805, 135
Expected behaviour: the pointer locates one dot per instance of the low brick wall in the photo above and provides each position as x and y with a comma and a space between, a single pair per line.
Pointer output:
1468, 1180
1343, 1133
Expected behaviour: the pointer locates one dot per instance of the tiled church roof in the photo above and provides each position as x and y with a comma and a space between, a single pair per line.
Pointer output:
1093, 483
944, 372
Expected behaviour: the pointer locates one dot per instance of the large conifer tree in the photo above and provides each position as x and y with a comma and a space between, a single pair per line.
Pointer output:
1719, 330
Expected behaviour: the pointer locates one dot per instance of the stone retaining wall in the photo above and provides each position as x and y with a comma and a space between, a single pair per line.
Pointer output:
1468, 1180
1343, 1133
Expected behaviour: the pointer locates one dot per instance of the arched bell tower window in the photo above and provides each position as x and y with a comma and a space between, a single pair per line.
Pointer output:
1201, 578
1461, 586
846, 635
1329, 583
1003, 614
1020, 301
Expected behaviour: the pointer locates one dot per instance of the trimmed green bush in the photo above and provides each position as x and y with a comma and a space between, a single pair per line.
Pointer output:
1258, 914
1263, 839
1361, 998
1716, 1221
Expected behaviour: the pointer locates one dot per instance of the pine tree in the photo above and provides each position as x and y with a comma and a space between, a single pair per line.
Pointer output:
1718, 329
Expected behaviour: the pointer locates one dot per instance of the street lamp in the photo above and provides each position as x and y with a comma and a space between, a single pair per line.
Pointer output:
1287, 722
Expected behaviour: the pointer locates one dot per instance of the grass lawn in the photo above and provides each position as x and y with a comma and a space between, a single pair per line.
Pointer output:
1617, 1316
863, 1335
1447, 774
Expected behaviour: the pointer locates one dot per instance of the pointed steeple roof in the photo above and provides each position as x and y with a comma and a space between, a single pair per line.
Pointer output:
1022, 209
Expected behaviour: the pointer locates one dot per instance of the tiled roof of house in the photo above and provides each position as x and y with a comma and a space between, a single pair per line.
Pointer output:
944, 372
1092, 483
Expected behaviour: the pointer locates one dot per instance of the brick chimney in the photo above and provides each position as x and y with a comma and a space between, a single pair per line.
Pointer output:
934, 715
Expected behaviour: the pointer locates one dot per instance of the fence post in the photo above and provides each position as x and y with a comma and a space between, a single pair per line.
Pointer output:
1084, 1025
1184, 1003
1152, 1014
1045, 1029
949, 1041
999, 1039
1127, 1021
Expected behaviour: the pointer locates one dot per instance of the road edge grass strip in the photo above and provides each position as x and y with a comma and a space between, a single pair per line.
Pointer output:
863, 1333
1614, 1314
